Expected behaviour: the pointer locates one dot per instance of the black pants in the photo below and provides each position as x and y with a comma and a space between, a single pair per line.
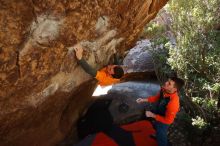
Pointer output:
120, 136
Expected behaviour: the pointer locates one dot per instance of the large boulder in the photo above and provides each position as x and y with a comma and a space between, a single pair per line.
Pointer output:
139, 58
43, 90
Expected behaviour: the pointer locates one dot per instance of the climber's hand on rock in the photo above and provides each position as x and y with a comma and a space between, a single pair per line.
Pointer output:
79, 51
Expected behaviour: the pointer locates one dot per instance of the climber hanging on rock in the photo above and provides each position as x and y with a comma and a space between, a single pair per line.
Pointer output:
106, 76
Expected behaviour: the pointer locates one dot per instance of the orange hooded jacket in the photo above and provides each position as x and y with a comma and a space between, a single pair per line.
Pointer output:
105, 79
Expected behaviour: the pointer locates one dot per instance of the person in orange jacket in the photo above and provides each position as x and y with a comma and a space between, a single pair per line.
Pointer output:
106, 76
166, 108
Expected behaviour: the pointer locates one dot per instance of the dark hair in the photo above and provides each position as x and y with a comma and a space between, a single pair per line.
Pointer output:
179, 83
118, 72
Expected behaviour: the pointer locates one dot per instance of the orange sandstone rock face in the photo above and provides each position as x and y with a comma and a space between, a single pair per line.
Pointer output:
43, 90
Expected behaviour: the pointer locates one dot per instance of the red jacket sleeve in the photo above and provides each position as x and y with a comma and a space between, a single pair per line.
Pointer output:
153, 98
171, 111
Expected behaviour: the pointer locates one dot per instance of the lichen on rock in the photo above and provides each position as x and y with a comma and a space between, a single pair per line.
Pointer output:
40, 79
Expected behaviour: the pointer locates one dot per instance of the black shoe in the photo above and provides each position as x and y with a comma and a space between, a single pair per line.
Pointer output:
153, 136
